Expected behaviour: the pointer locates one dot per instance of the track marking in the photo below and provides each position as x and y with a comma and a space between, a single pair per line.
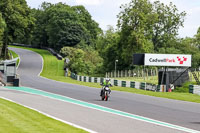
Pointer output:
101, 108
42, 64
69, 123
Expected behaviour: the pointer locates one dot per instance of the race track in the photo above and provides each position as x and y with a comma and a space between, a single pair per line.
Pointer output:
180, 113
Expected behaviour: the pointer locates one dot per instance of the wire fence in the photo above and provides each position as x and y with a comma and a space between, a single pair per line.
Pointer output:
145, 74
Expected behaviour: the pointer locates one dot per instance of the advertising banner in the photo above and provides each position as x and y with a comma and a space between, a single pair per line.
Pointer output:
168, 60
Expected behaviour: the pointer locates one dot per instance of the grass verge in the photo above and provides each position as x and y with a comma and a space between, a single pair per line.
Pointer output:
150, 79
56, 72
15, 118
15, 56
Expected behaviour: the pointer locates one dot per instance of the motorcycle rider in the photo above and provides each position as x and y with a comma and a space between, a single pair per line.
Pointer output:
106, 83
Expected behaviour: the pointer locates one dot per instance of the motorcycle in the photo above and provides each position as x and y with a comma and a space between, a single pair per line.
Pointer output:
105, 93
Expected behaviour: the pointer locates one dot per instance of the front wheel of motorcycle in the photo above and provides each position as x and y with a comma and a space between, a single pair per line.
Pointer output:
106, 97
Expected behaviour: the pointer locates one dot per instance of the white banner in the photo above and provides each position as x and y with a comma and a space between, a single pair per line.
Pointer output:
167, 60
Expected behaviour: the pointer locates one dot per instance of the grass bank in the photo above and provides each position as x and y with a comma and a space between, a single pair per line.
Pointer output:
150, 79
15, 118
14, 55
53, 69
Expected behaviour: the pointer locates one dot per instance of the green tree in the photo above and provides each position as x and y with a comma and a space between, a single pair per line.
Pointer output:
71, 35
197, 38
165, 28
108, 49
135, 23
18, 20
60, 25
39, 35
86, 19
2, 28
184, 46
147, 27
86, 62
60, 18
188, 47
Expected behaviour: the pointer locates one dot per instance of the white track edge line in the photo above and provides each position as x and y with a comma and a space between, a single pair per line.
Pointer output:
42, 64
195, 131
69, 123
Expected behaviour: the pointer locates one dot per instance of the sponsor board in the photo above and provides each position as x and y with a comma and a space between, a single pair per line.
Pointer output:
167, 60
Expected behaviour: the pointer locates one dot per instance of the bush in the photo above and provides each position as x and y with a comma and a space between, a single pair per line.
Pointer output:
85, 62
184, 88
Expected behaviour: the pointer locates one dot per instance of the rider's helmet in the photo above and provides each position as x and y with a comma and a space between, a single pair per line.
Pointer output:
107, 79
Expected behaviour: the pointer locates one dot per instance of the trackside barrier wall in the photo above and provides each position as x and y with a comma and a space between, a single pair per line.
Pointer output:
194, 89
131, 84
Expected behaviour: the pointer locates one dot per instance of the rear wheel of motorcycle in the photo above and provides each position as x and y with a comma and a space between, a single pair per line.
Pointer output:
102, 98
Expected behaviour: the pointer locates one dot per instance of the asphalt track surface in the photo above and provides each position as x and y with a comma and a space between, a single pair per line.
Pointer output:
176, 112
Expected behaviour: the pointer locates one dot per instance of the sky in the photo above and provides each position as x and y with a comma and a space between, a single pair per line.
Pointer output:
105, 12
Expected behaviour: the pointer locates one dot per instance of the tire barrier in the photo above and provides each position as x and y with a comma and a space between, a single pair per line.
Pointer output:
115, 82
143, 86
73, 76
95, 80
123, 83
90, 79
194, 89
131, 84
80, 78
191, 88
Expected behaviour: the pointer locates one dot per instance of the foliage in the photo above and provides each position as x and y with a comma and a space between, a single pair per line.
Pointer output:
165, 28
107, 47
92, 27
184, 88
39, 34
143, 27
146, 27
82, 62
14, 55
18, 20
61, 25
197, 39
2, 28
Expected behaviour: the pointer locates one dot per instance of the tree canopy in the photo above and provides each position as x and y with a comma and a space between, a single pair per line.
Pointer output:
60, 25
146, 27
143, 27
18, 20
2, 28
